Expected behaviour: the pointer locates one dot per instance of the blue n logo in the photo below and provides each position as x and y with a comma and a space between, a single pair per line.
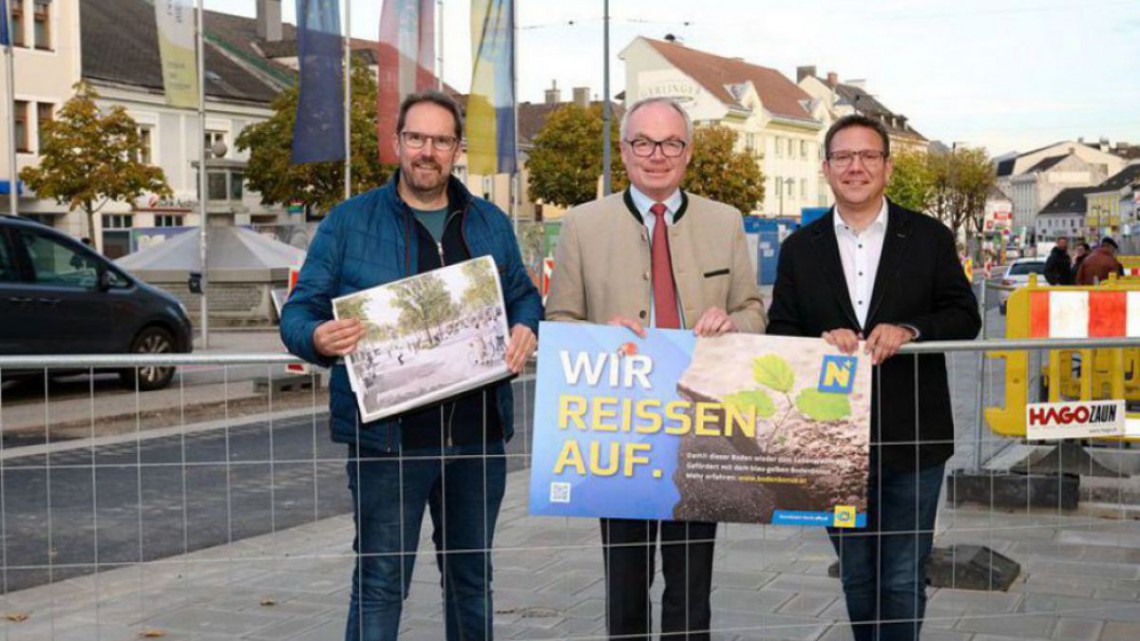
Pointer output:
837, 375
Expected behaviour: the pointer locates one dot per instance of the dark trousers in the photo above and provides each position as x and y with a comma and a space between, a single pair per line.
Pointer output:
883, 567
630, 548
462, 487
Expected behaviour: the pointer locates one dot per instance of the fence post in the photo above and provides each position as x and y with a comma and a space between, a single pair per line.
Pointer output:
981, 385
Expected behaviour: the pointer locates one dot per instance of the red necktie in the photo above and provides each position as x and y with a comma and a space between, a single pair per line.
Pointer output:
664, 293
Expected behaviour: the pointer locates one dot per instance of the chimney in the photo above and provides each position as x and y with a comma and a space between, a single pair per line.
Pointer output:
553, 95
269, 20
832, 79
582, 97
804, 72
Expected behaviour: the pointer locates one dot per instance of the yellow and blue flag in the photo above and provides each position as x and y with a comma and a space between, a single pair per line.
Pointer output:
318, 131
491, 107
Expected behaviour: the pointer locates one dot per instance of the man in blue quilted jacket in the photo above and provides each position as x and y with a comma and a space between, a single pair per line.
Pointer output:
448, 456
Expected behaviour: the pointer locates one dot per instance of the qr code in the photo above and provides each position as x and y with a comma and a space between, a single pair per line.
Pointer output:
559, 492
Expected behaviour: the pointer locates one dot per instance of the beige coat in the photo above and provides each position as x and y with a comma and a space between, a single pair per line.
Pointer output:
602, 268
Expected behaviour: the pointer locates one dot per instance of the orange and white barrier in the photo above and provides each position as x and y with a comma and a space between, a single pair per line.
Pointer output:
1083, 314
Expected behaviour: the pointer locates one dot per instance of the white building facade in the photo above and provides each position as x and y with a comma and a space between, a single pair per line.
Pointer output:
776, 122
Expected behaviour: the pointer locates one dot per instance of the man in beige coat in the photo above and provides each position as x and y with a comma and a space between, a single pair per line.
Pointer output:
655, 256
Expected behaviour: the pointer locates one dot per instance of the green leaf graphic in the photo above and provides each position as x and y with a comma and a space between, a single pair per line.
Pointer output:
753, 399
774, 372
823, 406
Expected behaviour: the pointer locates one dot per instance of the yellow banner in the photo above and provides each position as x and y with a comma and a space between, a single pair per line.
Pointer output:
175, 19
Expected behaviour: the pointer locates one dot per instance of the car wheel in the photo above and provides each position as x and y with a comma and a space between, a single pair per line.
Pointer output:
152, 340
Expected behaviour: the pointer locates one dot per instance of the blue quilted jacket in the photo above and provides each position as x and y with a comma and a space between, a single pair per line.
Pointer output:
368, 241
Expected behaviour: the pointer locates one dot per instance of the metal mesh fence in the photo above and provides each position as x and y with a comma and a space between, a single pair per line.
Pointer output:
218, 508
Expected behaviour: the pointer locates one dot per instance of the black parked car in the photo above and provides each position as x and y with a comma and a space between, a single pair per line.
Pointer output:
57, 296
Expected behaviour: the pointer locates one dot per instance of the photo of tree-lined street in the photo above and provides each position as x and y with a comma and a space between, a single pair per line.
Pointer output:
427, 337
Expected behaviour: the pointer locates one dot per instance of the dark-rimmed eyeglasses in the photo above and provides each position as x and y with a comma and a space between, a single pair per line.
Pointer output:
843, 159
416, 140
644, 147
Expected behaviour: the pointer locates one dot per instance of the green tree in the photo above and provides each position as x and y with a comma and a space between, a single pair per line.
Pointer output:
949, 186
720, 172
911, 183
355, 308
961, 180
424, 302
566, 161
320, 184
483, 289
91, 158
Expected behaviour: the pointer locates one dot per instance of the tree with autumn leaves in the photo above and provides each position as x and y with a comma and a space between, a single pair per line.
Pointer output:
566, 162
951, 186
91, 157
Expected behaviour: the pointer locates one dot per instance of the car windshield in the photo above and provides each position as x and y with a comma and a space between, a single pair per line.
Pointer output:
1022, 269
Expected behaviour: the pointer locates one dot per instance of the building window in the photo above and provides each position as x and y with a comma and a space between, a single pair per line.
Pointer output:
791, 148
803, 188
18, 23
167, 220
779, 147
42, 24
118, 221
43, 116
791, 182
145, 145
803, 149
216, 185
212, 137
22, 126
237, 184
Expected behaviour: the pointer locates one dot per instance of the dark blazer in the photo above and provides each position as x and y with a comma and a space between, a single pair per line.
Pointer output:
919, 283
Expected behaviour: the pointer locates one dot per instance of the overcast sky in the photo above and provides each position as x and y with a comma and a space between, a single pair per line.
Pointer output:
1003, 74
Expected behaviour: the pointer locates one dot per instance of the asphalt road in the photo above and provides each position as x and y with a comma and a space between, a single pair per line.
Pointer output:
68, 513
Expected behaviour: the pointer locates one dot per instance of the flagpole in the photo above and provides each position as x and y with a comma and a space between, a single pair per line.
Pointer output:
439, 78
14, 176
516, 202
607, 117
202, 178
347, 99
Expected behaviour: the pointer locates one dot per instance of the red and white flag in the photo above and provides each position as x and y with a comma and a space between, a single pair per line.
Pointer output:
406, 60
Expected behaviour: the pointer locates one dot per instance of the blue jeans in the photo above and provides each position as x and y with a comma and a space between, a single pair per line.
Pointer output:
463, 489
883, 567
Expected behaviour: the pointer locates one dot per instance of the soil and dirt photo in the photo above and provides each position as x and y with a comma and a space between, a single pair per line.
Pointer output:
809, 451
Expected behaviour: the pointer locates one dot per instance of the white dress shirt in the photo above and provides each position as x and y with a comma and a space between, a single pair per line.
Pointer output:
860, 253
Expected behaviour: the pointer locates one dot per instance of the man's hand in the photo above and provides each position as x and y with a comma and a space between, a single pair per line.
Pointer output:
846, 340
519, 347
885, 342
634, 326
337, 337
714, 322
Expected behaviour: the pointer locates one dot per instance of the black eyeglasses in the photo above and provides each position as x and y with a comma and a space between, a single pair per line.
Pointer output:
843, 159
416, 140
644, 147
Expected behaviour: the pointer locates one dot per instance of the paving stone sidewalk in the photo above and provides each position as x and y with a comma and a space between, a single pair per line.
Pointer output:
1080, 582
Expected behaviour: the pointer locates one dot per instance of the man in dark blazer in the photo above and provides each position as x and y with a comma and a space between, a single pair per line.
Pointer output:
873, 271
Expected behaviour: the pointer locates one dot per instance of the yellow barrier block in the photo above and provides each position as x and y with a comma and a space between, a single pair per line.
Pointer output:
1099, 374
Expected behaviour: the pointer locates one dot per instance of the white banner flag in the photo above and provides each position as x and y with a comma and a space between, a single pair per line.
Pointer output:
175, 19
